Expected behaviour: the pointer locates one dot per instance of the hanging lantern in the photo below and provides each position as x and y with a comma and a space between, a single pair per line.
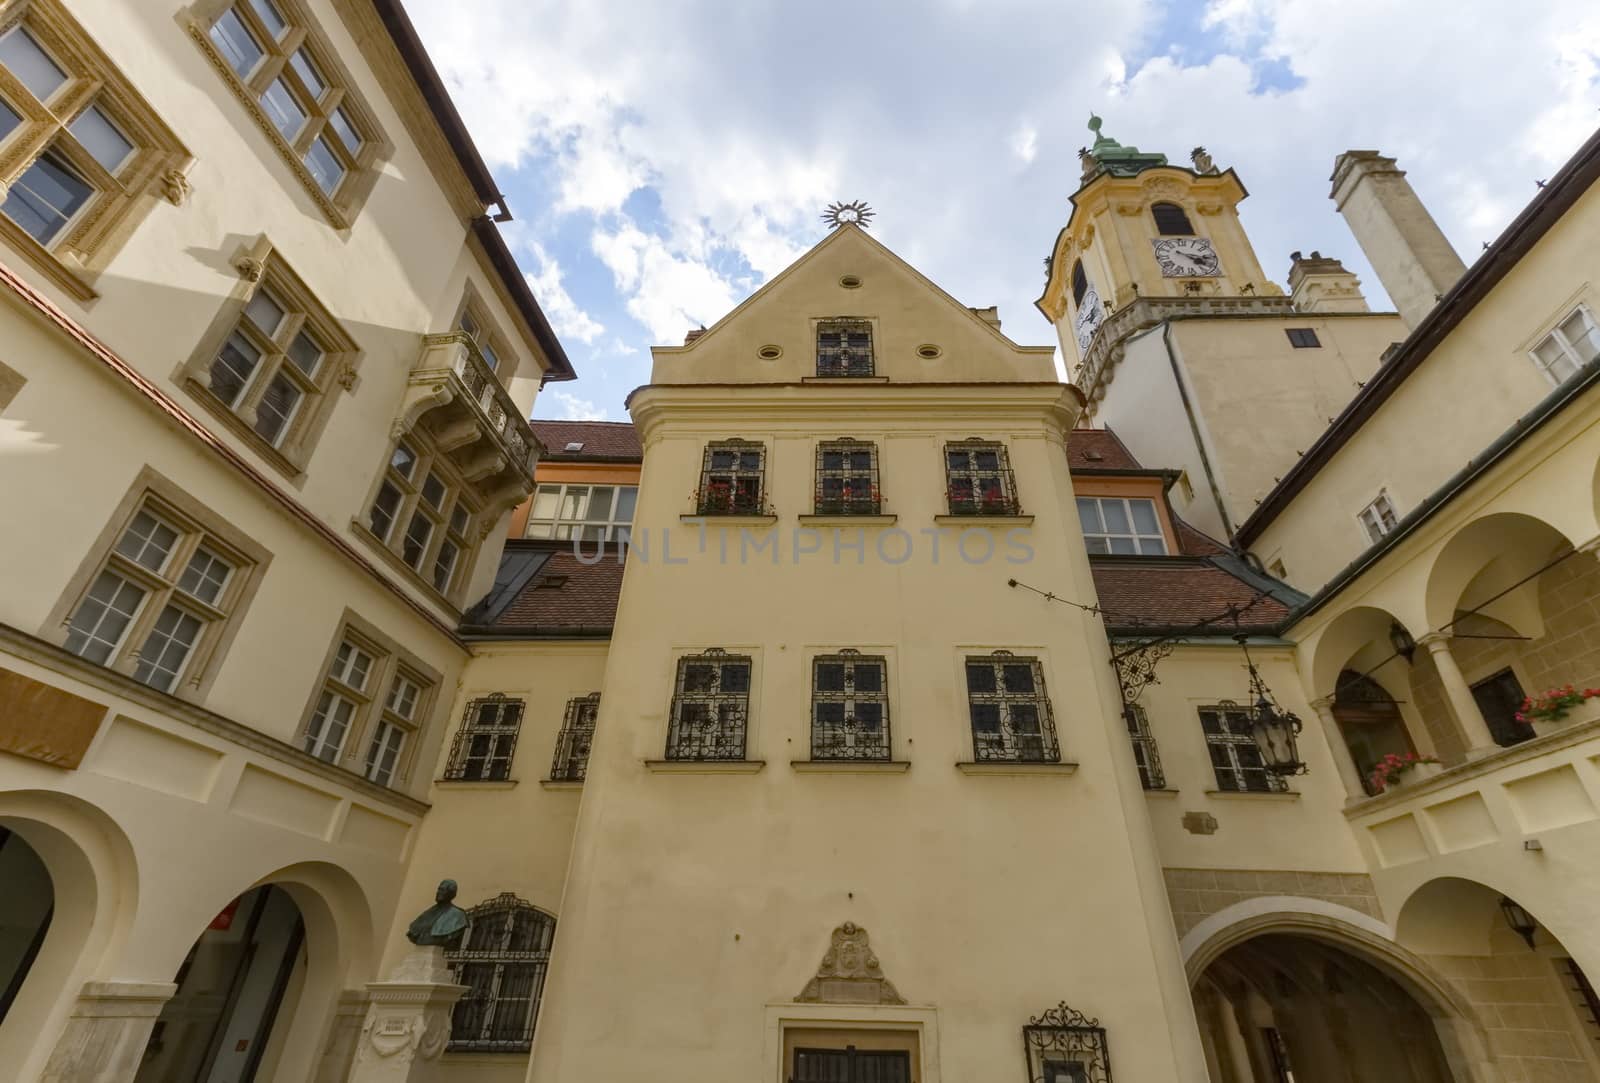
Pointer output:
1520, 921
1401, 641
1274, 730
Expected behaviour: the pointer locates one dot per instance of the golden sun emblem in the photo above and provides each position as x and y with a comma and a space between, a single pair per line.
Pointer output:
855, 213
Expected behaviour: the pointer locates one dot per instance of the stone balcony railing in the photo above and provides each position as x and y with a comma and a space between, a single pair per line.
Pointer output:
1479, 819
1111, 337
454, 394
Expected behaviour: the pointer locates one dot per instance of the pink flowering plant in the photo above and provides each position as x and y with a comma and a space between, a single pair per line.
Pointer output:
1553, 704
1393, 766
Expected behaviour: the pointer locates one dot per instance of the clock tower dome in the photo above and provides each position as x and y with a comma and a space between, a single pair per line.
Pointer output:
1141, 227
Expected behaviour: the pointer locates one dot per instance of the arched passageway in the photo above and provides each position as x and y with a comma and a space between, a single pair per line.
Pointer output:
27, 903
234, 988
1281, 1007
1370, 723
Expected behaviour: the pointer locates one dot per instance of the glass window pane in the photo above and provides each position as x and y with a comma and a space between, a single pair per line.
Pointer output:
574, 503
545, 502
20, 53
305, 353
9, 120
236, 44
147, 541
626, 497
326, 169
1153, 547
306, 69
459, 519
166, 648
490, 358
103, 616
1089, 515
599, 502
101, 139
1097, 545
264, 312
433, 490
276, 408
987, 460
231, 371
444, 565
830, 677
1144, 517
869, 678
1123, 546
1116, 515
403, 460
267, 11
205, 576
48, 194
384, 507
346, 131
281, 108
1582, 336
980, 678
1019, 678
415, 545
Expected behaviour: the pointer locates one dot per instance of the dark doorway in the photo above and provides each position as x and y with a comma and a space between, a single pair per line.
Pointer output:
1500, 698
851, 1065
216, 1027
27, 901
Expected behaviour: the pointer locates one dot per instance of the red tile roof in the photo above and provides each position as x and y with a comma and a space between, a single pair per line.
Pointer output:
1098, 449
565, 596
1178, 593
600, 440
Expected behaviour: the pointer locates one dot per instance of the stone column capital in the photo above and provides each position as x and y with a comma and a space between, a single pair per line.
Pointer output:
1435, 641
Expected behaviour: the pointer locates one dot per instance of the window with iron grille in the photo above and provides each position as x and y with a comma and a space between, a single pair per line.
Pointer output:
1171, 221
710, 707
502, 961
847, 478
1065, 1046
851, 1065
1585, 999
1010, 710
849, 707
1234, 756
1145, 753
844, 348
486, 740
732, 479
571, 763
979, 480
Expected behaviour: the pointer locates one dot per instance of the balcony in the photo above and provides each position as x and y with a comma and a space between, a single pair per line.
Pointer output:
456, 399
1099, 365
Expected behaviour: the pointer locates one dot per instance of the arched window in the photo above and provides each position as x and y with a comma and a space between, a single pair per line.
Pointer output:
1080, 282
502, 962
1171, 221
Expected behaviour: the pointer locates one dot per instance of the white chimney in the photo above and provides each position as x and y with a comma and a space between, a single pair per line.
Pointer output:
1403, 243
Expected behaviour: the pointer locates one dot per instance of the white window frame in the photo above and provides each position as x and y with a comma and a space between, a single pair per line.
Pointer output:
611, 526
1372, 521
1569, 352
1138, 539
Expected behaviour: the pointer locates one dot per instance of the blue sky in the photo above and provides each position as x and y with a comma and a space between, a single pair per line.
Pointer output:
664, 159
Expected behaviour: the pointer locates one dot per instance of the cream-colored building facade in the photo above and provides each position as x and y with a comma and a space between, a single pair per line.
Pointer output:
872, 707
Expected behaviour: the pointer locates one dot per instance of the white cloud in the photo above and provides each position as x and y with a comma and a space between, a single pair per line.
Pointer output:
568, 320
571, 408
665, 134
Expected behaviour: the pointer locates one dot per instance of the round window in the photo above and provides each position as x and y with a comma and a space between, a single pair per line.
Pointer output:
850, 282
928, 351
770, 353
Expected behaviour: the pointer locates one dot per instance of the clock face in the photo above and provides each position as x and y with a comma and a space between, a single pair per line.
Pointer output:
1186, 257
1090, 313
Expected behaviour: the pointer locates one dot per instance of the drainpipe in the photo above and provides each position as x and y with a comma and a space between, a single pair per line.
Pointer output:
1194, 428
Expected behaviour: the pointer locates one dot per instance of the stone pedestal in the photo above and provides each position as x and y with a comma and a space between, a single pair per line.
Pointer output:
408, 1021
104, 1040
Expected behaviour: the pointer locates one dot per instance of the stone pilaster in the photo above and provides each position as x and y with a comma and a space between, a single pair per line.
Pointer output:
339, 1054
105, 1037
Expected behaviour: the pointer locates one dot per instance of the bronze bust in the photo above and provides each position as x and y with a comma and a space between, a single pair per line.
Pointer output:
441, 925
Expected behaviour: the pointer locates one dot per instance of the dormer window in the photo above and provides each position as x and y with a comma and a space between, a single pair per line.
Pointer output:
1171, 220
844, 348
1121, 527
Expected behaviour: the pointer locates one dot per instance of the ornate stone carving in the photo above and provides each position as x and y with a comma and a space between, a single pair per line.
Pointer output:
1164, 187
850, 973
175, 187
1130, 210
250, 269
1202, 160
1208, 209
347, 377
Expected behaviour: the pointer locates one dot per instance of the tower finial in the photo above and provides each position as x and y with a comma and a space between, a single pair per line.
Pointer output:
1094, 125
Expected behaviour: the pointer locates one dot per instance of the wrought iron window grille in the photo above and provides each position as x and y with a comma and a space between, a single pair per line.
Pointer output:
1235, 759
850, 707
1145, 752
847, 478
1010, 709
732, 479
978, 479
1065, 1046
710, 707
844, 348
487, 740
502, 961
571, 762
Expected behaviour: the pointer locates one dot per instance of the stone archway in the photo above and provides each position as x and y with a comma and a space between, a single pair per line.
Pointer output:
1293, 988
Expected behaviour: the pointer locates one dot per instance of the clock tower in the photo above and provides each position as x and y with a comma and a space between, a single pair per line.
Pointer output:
1142, 227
